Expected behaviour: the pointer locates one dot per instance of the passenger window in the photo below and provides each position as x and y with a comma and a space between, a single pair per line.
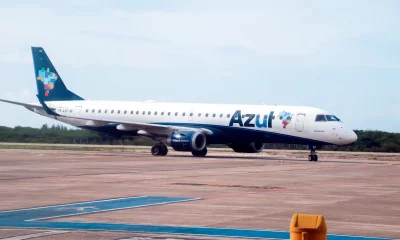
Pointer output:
149, 113
112, 111
199, 114
162, 113
228, 116
137, 112
206, 114
131, 112
169, 113
155, 113
191, 114
320, 118
99, 110
183, 114
93, 111
176, 114
125, 112
87, 110
221, 115
119, 111
214, 115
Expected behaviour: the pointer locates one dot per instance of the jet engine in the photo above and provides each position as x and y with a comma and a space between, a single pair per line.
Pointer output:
253, 147
187, 141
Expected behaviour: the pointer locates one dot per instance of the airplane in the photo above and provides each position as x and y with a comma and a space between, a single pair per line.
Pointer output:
187, 127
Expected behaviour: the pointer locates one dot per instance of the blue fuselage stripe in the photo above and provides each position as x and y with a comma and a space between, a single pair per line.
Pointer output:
221, 134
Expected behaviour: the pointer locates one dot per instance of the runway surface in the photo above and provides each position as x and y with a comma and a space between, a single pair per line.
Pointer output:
64, 194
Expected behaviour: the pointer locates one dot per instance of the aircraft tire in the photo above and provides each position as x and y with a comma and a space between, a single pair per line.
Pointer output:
201, 153
164, 150
315, 158
156, 150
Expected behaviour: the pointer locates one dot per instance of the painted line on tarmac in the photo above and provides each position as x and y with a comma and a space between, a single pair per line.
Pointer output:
111, 209
179, 230
56, 211
151, 238
35, 235
70, 204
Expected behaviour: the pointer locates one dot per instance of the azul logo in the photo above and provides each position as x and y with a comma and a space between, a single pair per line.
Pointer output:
252, 120
48, 78
286, 118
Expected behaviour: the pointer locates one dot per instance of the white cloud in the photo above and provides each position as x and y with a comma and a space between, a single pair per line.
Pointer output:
314, 32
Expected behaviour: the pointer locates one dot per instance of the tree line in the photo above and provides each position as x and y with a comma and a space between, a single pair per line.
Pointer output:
368, 140
63, 135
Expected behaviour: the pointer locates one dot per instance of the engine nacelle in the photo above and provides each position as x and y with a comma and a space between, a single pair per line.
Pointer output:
253, 147
187, 141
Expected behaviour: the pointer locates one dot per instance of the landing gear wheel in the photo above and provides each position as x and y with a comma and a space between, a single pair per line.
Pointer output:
201, 153
159, 150
313, 155
155, 150
164, 150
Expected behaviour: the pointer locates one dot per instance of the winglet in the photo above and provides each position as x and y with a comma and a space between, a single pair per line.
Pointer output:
46, 108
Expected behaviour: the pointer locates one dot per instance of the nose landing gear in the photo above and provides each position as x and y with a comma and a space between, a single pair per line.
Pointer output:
313, 154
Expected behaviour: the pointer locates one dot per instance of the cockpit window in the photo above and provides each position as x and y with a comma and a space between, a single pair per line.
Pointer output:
332, 118
324, 118
320, 118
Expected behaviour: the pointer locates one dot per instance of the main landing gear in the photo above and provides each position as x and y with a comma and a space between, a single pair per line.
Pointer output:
313, 155
162, 150
159, 150
201, 153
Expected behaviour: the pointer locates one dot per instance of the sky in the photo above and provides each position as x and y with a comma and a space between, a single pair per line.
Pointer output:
342, 56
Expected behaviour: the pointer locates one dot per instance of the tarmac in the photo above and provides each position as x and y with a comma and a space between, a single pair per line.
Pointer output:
55, 194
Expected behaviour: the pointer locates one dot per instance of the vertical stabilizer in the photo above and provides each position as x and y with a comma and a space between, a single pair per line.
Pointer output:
49, 83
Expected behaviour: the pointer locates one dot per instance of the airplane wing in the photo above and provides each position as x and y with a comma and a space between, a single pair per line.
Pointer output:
150, 128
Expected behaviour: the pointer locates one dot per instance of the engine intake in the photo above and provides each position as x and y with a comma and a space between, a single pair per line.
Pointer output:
253, 147
187, 141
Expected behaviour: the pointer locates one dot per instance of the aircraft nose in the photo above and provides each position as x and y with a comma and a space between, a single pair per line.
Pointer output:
352, 136
348, 136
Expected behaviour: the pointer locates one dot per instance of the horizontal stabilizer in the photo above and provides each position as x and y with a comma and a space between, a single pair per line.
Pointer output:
29, 105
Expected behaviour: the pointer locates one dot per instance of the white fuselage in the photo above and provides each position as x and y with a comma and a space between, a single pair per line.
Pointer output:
281, 124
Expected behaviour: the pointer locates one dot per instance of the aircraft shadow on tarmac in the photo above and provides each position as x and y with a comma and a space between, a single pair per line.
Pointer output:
233, 157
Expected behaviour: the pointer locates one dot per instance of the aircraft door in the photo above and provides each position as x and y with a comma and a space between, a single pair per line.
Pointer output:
300, 122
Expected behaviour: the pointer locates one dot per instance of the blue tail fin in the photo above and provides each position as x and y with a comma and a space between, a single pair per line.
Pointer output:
49, 83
